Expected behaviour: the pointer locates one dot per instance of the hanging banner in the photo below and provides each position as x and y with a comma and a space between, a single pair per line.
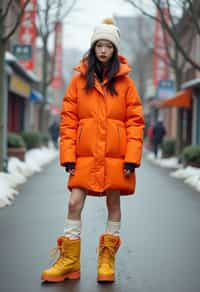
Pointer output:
57, 75
27, 32
160, 57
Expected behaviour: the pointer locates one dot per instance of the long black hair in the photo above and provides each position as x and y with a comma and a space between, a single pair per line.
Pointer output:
95, 66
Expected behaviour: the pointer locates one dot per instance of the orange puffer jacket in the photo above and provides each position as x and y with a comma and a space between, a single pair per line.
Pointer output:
100, 132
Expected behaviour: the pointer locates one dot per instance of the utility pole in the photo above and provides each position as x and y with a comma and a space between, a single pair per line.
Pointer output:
3, 126
5, 129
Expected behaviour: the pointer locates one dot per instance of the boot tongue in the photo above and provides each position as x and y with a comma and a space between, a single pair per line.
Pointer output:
58, 248
60, 241
110, 240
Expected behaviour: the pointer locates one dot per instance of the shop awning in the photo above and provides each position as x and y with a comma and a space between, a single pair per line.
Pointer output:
19, 86
36, 96
181, 99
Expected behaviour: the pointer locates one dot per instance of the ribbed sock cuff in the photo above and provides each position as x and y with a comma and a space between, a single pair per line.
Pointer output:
72, 229
113, 228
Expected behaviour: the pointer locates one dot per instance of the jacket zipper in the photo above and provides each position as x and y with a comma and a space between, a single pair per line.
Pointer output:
103, 89
79, 138
118, 137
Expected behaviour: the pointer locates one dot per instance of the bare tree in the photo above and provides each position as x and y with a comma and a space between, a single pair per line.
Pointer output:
5, 33
49, 13
188, 10
174, 59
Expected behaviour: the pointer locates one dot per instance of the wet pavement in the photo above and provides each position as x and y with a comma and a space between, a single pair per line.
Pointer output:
160, 251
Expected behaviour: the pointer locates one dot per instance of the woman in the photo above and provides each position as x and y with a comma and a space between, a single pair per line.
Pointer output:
101, 136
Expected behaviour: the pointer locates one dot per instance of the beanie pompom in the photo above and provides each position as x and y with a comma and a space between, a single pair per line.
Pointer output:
108, 21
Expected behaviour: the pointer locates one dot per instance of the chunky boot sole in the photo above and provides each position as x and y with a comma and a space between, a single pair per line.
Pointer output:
70, 276
104, 278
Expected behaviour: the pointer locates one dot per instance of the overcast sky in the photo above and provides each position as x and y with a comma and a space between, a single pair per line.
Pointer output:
78, 27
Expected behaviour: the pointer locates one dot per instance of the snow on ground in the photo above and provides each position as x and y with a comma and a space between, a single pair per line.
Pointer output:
19, 171
189, 174
171, 162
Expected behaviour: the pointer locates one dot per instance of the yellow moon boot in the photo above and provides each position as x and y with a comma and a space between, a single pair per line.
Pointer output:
108, 246
67, 266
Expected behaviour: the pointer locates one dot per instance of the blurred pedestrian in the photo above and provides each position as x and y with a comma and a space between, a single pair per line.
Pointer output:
159, 132
54, 131
150, 137
101, 137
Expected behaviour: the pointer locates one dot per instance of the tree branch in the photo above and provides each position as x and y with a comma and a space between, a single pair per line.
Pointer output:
173, 35
3, 16
39, 28
142, 10
189, 49
194, 11
67, 12
170, 14
18, 20
169, 29
61, 16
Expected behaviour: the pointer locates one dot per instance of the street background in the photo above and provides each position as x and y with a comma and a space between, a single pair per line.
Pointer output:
40, 44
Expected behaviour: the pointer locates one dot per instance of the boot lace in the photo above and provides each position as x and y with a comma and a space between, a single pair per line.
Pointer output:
106, 252
53, 254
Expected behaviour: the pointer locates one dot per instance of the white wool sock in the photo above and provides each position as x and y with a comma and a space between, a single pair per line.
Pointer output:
72, 229
113, 228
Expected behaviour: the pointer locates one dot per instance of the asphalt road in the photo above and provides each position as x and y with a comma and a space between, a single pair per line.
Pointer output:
160, 251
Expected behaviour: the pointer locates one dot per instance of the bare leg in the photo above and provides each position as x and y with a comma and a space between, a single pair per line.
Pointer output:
72, 226
113, 205
76, 204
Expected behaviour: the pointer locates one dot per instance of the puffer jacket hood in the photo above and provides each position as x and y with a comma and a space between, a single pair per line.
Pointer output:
124, 68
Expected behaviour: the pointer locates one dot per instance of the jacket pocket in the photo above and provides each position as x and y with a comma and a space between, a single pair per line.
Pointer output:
121, 140
116, 140
84, 140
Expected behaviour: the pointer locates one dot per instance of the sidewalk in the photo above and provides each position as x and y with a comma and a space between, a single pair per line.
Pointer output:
190, 175
160, 235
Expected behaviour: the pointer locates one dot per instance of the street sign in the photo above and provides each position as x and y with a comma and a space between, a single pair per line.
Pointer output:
165, 89
22, 52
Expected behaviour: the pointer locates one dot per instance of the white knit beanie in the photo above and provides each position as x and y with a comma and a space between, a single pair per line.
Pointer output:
106, 31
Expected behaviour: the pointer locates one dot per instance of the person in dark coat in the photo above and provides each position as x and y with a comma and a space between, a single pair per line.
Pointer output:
54, 132
150, 137
159, 132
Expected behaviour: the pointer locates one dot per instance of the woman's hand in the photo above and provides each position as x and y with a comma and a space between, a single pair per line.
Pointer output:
129, 168
70, 167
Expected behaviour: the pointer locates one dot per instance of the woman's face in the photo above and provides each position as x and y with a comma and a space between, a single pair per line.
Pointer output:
104, 50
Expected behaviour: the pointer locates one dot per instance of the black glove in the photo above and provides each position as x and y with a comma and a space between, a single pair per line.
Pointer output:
130, 166
69, 166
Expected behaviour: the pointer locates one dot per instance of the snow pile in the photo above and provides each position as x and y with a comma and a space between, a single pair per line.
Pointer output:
19, 171
7, 191
171, 162
191, 176
186, 172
